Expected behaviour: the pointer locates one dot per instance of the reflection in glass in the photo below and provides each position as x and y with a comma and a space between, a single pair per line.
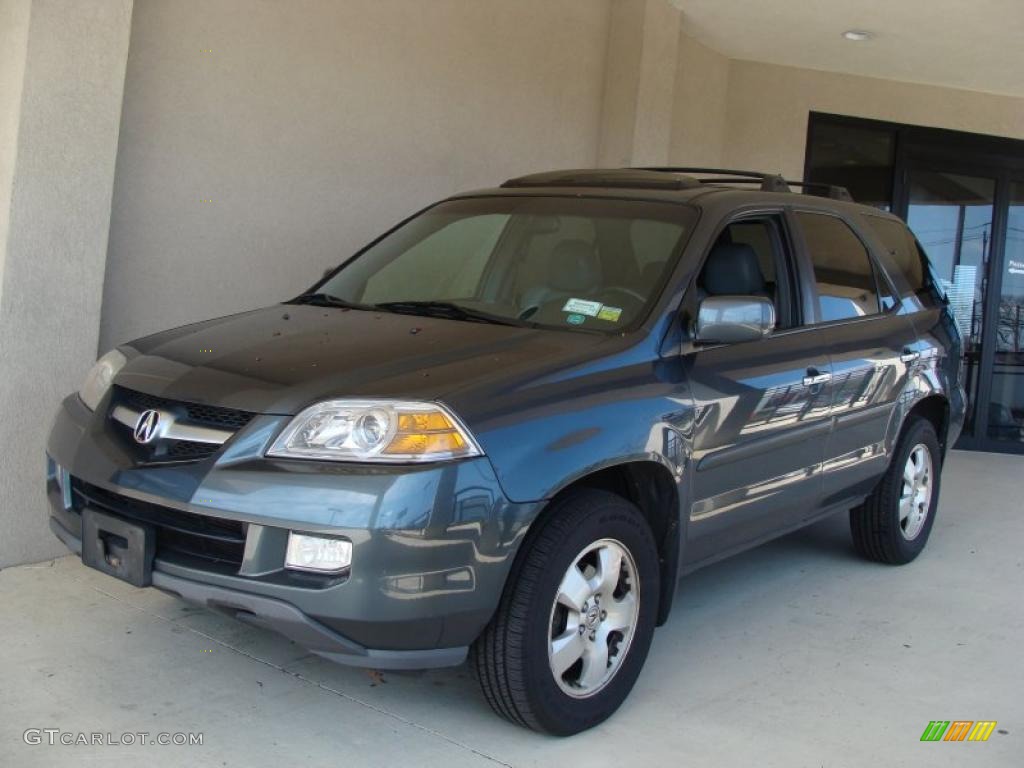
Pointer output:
952, 217
1006, 407
858, 157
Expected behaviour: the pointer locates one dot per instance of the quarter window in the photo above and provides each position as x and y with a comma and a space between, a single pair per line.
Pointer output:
842, 268
901, 254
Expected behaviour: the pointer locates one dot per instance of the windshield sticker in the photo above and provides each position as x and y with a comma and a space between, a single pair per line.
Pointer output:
575, 319
583, 307
611, 314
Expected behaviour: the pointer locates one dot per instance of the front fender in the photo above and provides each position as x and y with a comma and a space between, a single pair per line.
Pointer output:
549, 446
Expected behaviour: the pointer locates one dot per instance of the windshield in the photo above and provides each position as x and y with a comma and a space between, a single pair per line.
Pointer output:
565, 263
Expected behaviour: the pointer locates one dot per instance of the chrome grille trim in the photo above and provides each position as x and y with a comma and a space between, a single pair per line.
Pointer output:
169, 429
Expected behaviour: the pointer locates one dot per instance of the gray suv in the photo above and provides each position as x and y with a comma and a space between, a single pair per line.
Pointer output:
506, 428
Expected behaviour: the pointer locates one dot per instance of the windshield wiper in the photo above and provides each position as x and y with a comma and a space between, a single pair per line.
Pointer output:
326, 300
448, 310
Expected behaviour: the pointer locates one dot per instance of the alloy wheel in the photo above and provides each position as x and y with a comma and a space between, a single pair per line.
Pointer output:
916, 492
593, 618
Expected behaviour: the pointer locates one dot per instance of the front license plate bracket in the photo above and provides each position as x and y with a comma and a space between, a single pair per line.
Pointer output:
118, 547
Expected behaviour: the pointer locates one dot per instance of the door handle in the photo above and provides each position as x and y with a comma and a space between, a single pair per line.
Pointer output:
814, 377
909, 355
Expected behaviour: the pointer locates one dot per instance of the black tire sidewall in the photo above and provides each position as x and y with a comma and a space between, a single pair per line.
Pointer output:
557, 712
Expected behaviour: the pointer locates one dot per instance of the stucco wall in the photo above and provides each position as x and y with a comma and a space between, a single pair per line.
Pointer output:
56, 243
768, 107
14, 16
311, 126
699, 105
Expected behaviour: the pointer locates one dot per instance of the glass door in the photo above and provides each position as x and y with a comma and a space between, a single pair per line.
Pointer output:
1006, 401
952, 216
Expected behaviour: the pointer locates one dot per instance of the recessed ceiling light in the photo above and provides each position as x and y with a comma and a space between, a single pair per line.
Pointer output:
857, 34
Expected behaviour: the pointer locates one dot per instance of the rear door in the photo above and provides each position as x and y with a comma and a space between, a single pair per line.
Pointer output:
761, 409
872, 346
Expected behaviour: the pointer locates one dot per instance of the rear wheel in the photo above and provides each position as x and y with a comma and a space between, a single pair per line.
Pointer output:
893, 524
576, 620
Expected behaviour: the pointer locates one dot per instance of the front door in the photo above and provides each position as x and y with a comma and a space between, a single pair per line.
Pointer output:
761, 407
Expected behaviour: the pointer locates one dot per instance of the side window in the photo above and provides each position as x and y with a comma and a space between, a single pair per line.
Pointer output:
842, 268
467, 242
902, 257
749, 258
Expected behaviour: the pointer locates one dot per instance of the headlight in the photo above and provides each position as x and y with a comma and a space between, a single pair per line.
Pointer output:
375, 430
98, 381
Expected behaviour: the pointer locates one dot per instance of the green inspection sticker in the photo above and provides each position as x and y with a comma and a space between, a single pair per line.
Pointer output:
611, 314
575, 319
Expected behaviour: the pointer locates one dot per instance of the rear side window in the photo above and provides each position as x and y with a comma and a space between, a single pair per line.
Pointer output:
901, 256
842, 268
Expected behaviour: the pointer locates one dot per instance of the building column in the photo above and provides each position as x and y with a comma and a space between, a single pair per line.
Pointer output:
640, 73
62, 67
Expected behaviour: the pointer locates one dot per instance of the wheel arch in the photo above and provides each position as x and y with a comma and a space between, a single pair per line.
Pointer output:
934, 408
653, 488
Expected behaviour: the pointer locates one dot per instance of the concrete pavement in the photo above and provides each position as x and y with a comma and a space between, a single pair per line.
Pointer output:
794, 654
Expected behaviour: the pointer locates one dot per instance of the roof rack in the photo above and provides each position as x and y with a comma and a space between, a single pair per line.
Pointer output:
770, 182
669, 177
629, 178
833, 191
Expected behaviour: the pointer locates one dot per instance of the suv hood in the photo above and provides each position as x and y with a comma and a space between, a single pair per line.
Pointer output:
283, 358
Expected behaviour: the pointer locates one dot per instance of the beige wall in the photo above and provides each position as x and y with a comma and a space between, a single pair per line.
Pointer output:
14, 15
314, 125
636, 113
58, 213
768, 107
699, 105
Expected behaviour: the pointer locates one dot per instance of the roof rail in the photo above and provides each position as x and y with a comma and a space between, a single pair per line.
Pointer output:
833, 191
770, 182
629, 178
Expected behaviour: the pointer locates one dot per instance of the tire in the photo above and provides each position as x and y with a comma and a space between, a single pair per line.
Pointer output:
511, 658
883, 529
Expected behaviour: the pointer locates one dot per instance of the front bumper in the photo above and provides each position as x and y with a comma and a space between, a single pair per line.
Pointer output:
432, 545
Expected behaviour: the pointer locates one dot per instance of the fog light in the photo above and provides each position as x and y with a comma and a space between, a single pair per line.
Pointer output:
317, 553
63, 481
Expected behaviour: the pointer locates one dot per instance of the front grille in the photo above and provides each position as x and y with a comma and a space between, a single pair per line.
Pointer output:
193, 413
213, 539
189, 450
166, 450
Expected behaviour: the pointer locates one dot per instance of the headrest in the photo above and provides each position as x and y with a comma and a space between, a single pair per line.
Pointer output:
574, 267
733, 269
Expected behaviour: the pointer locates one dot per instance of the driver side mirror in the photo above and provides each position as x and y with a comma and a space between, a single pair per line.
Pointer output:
732, 319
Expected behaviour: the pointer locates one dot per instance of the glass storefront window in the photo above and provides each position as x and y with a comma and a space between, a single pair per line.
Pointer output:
963, 196
951, 215
1006, 404
858, 157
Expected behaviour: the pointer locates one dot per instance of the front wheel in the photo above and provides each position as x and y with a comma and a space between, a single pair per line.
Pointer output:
893, 524
576, 619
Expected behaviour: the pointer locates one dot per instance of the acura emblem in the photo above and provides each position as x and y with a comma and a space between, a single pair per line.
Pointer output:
145, 427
